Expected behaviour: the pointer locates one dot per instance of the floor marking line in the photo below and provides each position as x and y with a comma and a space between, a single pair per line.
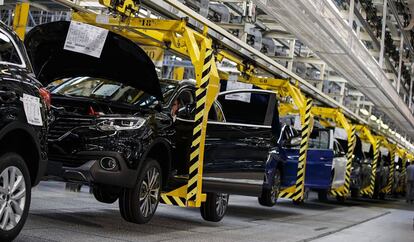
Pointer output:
346, 227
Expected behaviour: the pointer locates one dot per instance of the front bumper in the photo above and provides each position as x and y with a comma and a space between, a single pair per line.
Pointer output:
91, 172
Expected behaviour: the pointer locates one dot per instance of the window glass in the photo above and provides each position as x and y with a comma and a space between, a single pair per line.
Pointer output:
215, 113
102, 89
183, 105
8, 52
319, 139
252, 111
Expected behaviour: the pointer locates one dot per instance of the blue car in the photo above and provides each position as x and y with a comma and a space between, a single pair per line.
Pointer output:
323, 150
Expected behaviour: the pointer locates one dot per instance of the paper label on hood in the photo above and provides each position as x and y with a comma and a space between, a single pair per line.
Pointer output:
86, 39
31, 105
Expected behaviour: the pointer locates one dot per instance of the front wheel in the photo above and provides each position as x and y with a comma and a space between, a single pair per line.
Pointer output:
138, 204
15, 195
269, 196
215, 206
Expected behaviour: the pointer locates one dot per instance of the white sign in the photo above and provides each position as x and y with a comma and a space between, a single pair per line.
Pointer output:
31, 105
366, 147
384, 151
298, 124
340, 133
86, 39
233, 84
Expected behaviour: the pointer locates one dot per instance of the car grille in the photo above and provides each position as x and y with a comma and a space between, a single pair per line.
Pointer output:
64, 124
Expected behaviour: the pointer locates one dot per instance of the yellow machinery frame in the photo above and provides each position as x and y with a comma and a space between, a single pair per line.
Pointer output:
301, 105
366, 135
336, 115
21, 15
392, 149
176, 36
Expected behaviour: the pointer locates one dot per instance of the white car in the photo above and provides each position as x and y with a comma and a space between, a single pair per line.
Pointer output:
338, 165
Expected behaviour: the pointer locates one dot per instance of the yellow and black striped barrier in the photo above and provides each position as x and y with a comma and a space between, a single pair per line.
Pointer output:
297, 192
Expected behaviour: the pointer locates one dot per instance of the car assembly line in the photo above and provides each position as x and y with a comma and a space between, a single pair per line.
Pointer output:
147, 106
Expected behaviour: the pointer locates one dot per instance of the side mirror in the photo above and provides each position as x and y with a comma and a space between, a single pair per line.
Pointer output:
186, 111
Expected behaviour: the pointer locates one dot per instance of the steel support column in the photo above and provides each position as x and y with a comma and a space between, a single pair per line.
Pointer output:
384, 23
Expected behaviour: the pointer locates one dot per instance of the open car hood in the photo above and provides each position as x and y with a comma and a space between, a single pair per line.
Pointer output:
121, 59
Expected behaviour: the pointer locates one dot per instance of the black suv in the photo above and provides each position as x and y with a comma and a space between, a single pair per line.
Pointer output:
121, 130
24, 108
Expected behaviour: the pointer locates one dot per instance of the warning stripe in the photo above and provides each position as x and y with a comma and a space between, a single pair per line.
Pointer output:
297, 195
374, 169
201, 97
351, 147
173, 200
391, 174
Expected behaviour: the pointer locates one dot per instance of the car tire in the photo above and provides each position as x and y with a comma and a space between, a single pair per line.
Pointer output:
269, 196
14, 202
103, 195
322, 196
355, 193
340, 199
215, 207
138, 204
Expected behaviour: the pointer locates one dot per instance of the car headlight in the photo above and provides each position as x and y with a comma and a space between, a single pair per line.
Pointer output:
119, 124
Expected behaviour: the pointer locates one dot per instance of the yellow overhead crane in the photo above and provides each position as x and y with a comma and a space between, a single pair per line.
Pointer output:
366, 135
332, 117
299, 104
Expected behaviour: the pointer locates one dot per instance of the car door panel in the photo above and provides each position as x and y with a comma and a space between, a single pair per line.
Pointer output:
236, 152
318, 168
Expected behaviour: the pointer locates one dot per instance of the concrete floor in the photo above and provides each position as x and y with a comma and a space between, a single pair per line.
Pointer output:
57, 215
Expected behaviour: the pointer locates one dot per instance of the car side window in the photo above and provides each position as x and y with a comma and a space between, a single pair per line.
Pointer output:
183, 105
216, 114
8, 51
319, 139
247, 107
338, 149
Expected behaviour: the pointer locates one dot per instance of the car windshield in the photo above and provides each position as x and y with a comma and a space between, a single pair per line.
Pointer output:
106, 90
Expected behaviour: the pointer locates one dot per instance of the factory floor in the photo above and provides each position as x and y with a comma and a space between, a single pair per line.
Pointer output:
59, 215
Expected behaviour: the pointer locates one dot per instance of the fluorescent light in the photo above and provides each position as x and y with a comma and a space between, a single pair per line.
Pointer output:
373, 118
364, 112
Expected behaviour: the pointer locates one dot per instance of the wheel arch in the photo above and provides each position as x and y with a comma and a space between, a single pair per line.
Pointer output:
19, 138
160, 150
